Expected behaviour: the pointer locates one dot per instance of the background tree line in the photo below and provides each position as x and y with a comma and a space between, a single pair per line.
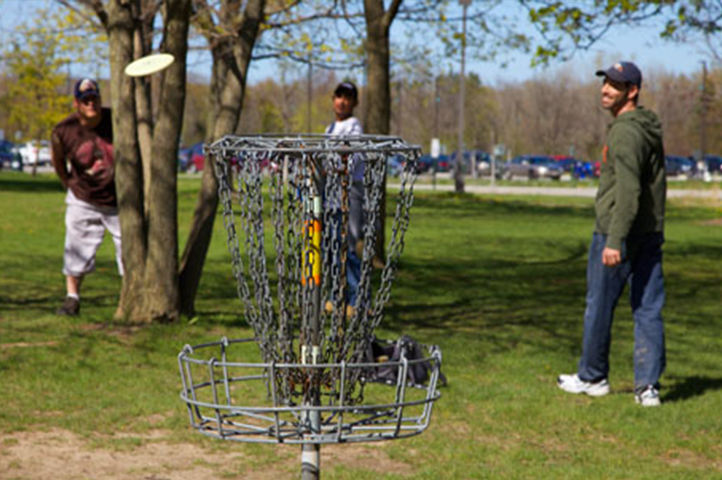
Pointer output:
546, 115
555, 113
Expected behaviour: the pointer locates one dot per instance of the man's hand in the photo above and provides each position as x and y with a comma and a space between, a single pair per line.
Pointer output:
611, 257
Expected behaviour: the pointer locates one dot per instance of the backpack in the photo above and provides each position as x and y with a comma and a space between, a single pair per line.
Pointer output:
380, 351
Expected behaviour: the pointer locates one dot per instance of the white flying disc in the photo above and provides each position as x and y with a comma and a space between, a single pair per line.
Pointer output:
149, 64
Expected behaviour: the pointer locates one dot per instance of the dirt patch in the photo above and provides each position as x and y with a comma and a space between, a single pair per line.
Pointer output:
715, 222
371, 457
123, 333
6, 346
689, 459
62, 455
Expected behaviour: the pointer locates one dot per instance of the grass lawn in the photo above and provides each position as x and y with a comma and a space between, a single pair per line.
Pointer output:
497, 282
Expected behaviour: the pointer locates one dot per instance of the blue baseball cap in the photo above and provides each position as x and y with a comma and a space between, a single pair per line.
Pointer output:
86, 88
625, 72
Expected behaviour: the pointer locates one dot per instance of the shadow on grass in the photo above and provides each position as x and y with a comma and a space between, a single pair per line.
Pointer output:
511, 287
692, 387
30, 184
493, 302
451, 205
50, 303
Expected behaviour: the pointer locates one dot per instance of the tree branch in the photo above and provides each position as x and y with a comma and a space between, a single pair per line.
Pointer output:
95, 5
391, 13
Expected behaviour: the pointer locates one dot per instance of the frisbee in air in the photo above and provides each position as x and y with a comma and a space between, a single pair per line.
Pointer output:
149, 65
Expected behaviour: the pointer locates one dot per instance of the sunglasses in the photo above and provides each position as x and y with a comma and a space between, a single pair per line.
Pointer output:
89, 100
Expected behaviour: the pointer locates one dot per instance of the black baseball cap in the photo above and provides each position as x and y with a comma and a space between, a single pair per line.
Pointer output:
86, 88
625, 72
346, 88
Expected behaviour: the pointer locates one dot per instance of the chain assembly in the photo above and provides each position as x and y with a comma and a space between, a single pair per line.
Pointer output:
303, 211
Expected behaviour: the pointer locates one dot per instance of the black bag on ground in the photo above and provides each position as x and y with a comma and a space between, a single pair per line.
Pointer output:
381, 351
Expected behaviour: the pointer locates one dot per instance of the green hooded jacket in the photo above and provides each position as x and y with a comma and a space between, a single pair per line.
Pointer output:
632, 185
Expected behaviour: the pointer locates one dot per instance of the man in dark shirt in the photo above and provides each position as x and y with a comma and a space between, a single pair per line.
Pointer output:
82, 152
627, 242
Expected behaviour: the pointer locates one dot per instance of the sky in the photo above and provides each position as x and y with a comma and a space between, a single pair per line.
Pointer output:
641, 45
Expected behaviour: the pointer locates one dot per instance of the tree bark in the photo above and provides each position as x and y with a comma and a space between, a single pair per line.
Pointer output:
231, 59
161, 279
150, 239
142, 46
378, 89
128, 168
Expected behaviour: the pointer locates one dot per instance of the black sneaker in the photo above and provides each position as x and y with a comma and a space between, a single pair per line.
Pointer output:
71, 307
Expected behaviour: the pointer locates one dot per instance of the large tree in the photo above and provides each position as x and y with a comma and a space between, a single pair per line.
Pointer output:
150, 233
148, 118
231, 33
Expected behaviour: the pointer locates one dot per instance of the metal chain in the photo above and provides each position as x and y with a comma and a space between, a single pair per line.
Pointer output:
299, 169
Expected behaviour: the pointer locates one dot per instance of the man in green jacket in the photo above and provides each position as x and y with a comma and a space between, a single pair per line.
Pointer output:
627, 242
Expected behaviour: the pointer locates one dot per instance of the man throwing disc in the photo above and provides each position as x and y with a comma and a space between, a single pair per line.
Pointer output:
82, 153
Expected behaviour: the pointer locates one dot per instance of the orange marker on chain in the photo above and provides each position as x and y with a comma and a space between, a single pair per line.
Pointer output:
312, 246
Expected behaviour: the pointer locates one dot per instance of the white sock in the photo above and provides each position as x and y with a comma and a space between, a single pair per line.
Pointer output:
74, 295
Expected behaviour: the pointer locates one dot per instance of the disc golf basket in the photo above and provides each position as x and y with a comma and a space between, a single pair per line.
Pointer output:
307, 376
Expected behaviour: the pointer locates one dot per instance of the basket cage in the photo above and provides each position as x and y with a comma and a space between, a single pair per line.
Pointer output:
295, 209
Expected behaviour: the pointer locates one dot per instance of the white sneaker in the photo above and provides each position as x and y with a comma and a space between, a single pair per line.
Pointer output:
648, 398
573, 384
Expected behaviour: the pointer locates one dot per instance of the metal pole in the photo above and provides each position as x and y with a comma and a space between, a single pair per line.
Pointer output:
310, 461
703, 120
459, 163
437, 100
309, 97
311, 453
400, 116
493, 156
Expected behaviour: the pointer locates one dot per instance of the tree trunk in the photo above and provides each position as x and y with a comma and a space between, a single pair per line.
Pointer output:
128, 168
150, 242
378, 88
231, 59
162, 298
142, 47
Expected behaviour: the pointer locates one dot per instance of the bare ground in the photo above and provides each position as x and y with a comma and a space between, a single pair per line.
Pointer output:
62, 455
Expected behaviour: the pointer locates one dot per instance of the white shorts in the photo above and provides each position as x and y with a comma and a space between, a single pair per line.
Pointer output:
85, 225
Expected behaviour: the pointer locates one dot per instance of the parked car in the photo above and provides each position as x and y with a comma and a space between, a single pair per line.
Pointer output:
443, 163
677, 166
567, 163
483, 168
584, 170
532, 167
425, 164
479, 156
10, 158
191, 159
714, 164
395, 165
578, 169
35, 151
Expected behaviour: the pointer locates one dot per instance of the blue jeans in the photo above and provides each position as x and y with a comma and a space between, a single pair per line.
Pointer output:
353, 275
641, 267
353, 262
